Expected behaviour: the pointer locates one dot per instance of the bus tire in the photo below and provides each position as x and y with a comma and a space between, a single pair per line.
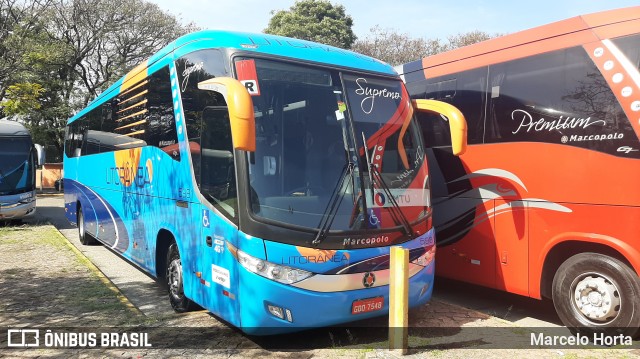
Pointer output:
85, 238
179, 301
594, 293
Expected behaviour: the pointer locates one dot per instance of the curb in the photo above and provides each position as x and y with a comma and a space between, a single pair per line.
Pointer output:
103, 278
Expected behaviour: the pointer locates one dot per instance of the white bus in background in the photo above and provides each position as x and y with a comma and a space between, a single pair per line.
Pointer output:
18, 161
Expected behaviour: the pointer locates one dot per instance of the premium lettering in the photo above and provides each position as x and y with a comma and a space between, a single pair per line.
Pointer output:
562, 123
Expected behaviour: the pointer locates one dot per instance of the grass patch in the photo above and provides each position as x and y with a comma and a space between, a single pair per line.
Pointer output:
28, 234
80, 292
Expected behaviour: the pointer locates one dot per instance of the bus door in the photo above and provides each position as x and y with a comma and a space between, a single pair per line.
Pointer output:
463, 220
217, 184
511, 98
510, 228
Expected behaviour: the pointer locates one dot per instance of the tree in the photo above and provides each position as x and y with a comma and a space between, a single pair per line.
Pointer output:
468, 38
73, 50
106, 38
314, 20
395, 48
17, 20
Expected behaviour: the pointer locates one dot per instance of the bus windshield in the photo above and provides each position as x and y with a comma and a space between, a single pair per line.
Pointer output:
15, 171
310, 165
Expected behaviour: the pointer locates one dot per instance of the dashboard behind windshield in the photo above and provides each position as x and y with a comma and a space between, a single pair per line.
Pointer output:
309, 147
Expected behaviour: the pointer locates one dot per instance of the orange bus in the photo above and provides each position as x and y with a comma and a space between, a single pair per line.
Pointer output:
546, 201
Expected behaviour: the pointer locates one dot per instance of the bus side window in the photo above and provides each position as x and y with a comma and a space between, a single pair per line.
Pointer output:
468, 92
545, 98
218, 175
162, 125
73, 140
630, 46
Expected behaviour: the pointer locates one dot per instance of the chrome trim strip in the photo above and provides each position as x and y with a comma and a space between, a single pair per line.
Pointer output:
351, 281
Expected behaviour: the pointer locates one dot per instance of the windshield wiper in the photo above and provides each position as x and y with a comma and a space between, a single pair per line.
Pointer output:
333, 205
376, 177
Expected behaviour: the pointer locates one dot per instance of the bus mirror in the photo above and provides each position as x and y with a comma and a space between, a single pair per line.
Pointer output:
240, 107
40, 154
457, 123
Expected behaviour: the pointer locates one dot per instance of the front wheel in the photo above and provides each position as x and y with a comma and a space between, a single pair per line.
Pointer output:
179, 302
595, 293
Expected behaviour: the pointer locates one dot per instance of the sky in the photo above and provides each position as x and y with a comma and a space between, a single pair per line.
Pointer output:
429, 19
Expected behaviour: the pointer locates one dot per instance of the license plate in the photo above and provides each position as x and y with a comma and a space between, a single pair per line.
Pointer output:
367, 305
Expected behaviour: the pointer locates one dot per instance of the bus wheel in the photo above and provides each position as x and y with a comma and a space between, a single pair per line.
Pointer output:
179, 302
595, 293
85, 238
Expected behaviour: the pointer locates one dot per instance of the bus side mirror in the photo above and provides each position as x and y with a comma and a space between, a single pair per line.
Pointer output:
457, 123
240, 107
40, 154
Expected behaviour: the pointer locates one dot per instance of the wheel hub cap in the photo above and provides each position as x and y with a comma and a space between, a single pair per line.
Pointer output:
597, 298
175, 278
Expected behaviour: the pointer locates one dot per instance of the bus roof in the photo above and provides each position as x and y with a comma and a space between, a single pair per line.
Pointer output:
248, 42
562, 34
12, 128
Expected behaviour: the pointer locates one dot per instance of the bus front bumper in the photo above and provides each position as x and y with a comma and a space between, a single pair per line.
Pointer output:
303, 309
17, 210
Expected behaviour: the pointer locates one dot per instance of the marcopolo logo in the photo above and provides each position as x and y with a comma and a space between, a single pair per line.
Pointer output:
603, 137
366, 241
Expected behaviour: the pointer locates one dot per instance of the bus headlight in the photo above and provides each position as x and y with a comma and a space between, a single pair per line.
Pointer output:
278, 273
27, 200
425, 258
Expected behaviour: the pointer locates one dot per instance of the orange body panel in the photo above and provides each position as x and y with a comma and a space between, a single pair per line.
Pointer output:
528, 195
546, 38
592, 197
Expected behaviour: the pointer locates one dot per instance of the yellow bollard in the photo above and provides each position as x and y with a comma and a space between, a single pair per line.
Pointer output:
399, 300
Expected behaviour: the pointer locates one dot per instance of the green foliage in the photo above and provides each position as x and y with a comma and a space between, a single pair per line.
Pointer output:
22, 98
314, 20
56, 56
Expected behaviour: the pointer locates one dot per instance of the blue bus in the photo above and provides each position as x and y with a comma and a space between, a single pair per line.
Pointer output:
18, 160
263, 178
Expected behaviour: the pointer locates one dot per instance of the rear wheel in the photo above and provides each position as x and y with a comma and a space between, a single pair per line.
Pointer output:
595, 293
85, 238
179, 302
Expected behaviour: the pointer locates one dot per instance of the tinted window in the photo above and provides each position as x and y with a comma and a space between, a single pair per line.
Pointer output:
558, 97
199, 66
141, 115
208, 130
192, 69
467, 92
218, 180
161, 127
16, 165
630, 46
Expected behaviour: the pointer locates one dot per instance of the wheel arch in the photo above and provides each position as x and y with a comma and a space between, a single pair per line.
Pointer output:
164, 238
561, 251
